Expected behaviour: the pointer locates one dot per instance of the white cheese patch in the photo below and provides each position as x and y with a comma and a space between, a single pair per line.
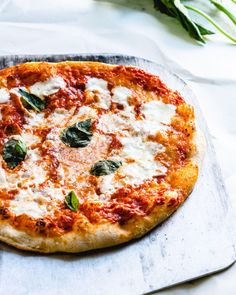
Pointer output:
33, 172
99, 87
107, 184
27, 138
34, 155
48, 87
52, 193
138, 153
35, 119
143, 165
59, 117
26, 202
112, 123
121, 95
157, 116
136, 149
95, 84
136, 173
86, 112
3, 180
4, 95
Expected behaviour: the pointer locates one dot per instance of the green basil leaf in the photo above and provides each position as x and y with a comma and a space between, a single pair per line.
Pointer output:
203, 30
77, 135
31, 101
165, 7
225, 10
177, 10
105, 167
72, 201
14, 152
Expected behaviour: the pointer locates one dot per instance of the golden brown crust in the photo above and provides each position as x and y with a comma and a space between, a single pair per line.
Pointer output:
108, 233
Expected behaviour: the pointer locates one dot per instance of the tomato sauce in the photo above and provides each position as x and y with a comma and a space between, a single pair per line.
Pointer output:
126, 203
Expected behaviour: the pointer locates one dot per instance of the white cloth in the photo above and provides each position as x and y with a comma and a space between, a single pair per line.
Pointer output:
134, 27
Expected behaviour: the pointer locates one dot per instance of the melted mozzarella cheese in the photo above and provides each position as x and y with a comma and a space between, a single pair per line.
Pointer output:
35, 119
138, 153
3, 180
84, 113
4, 95
136, 149
59, 117
107, 184
26, 202
112, 123
157, 116
48, 87
52, 192
33, 171
99, 87
28, 138
121, 95
138, 158
136, 173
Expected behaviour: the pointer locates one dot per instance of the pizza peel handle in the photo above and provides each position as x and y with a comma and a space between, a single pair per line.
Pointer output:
195, 241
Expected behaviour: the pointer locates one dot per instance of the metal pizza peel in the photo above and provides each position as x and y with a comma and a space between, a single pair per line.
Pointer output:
197, 240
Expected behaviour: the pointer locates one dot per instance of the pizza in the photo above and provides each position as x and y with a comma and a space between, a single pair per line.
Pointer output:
91, 155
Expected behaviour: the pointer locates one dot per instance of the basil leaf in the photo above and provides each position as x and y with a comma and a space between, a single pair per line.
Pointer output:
105, 167
177, 10
225, 10
77, 135
203, 30
31, 101
72, 201
14, 152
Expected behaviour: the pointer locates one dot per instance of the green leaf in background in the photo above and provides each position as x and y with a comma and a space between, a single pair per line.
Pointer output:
222, 8
14, 152
211, 20
179, 11
72, 201
203, 30
164, 7
31, 101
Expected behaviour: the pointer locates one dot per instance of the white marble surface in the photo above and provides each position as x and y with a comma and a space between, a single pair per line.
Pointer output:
133, 27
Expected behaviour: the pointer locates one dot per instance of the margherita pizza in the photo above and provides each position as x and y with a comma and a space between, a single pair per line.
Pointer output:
91, 155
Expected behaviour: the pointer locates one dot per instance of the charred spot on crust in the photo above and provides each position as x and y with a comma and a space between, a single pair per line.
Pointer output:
4, 212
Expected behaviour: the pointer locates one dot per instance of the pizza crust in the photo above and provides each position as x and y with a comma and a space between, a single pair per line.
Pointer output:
102, 236
106, 234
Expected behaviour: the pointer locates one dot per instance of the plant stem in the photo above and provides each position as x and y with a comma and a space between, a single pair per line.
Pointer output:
222, 8
207, 17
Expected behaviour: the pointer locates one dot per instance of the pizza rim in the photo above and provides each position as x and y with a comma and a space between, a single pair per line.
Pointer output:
97, 236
